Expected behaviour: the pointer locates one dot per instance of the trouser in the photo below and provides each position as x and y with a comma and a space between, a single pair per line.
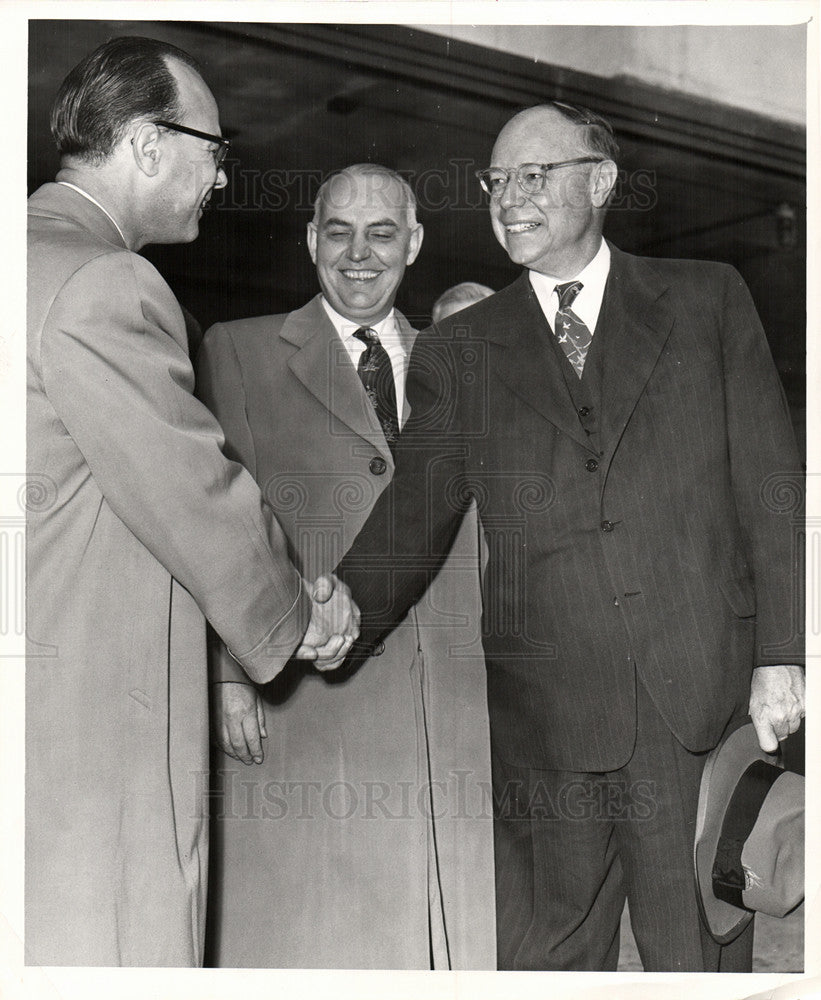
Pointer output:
570, 847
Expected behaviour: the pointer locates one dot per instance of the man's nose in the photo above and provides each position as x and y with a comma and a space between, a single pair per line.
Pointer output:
359, 247
512, 194
222, 179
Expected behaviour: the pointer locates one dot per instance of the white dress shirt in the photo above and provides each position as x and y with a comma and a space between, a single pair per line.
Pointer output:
388, 337
587, 304
94, 201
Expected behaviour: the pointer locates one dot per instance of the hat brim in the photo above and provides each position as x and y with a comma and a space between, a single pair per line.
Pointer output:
724, 767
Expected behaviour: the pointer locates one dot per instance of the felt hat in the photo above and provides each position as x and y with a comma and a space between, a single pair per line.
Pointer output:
749, 847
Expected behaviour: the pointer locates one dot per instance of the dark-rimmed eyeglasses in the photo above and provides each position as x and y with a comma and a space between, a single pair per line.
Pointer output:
530, 177
223, 145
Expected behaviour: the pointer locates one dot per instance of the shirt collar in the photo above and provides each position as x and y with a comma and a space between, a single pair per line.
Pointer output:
587, 304
94, 201
346, 328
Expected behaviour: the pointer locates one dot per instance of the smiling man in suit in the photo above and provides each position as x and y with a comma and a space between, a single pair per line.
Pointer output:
642, 582
358, 840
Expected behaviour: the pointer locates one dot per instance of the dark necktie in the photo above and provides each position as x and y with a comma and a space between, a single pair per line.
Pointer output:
570, 331
375, 370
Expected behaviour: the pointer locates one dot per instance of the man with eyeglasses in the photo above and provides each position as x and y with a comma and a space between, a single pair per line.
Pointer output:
141, 530
622, 426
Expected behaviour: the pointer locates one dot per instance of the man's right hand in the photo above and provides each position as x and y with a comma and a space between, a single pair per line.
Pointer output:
334, 624
238, 721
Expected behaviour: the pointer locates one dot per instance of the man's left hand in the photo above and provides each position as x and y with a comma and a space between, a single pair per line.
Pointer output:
776, 703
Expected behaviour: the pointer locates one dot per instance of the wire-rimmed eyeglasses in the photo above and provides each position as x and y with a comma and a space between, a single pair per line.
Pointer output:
530, 177
223, 145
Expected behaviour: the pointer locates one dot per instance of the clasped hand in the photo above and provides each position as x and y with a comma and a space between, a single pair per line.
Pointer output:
334, 624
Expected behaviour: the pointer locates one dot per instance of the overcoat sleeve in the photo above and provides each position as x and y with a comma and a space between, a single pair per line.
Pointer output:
220, 387
116, 370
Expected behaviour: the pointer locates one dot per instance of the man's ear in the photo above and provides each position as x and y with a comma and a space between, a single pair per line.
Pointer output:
415, 242
603, 179
145, 145
311, 236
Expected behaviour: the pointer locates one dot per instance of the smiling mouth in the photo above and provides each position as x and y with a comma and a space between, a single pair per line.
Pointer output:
363, 275
521, 227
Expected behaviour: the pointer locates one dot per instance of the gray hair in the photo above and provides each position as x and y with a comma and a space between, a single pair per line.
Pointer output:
370, 170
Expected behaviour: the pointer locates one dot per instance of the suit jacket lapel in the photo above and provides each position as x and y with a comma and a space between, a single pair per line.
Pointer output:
637, 322
407, 338
531, 369
324, 367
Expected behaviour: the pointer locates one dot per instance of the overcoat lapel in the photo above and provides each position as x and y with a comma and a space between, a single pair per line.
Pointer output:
530, 368
324, 367
638, 321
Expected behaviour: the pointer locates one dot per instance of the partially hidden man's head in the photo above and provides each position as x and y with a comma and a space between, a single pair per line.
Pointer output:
105, 121
363, 235
552, 171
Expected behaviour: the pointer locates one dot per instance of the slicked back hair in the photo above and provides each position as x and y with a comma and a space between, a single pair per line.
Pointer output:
123, 80
367, 170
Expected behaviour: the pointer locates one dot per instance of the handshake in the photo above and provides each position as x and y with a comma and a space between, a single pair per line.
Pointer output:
334, 624
237, 712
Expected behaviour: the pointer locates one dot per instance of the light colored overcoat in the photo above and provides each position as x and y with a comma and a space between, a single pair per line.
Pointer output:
137, 526
364, 840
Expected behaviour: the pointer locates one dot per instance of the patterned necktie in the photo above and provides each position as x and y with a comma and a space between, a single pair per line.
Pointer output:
375, 370
571, 333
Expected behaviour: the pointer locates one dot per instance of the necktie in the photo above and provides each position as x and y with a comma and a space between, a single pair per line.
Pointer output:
571, 333
375, 370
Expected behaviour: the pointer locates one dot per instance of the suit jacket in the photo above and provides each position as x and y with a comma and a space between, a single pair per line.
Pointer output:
337, 864
137, 527
668, 547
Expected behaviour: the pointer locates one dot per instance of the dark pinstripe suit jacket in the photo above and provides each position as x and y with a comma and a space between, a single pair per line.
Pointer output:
672, 554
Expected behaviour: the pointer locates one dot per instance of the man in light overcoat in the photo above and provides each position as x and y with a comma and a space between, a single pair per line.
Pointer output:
362, 838
138, 528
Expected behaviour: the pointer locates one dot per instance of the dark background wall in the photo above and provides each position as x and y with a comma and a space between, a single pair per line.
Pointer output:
699, 179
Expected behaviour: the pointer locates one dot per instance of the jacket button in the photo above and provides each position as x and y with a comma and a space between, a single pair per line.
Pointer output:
607, 526
616, 602
378, 649
584, 411
377, 465
591, 465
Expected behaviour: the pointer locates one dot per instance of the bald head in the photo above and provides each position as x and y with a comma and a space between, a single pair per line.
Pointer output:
590, 132
377, 181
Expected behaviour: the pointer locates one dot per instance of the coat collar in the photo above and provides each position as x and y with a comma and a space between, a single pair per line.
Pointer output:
638, 321
63, 202
324, 367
